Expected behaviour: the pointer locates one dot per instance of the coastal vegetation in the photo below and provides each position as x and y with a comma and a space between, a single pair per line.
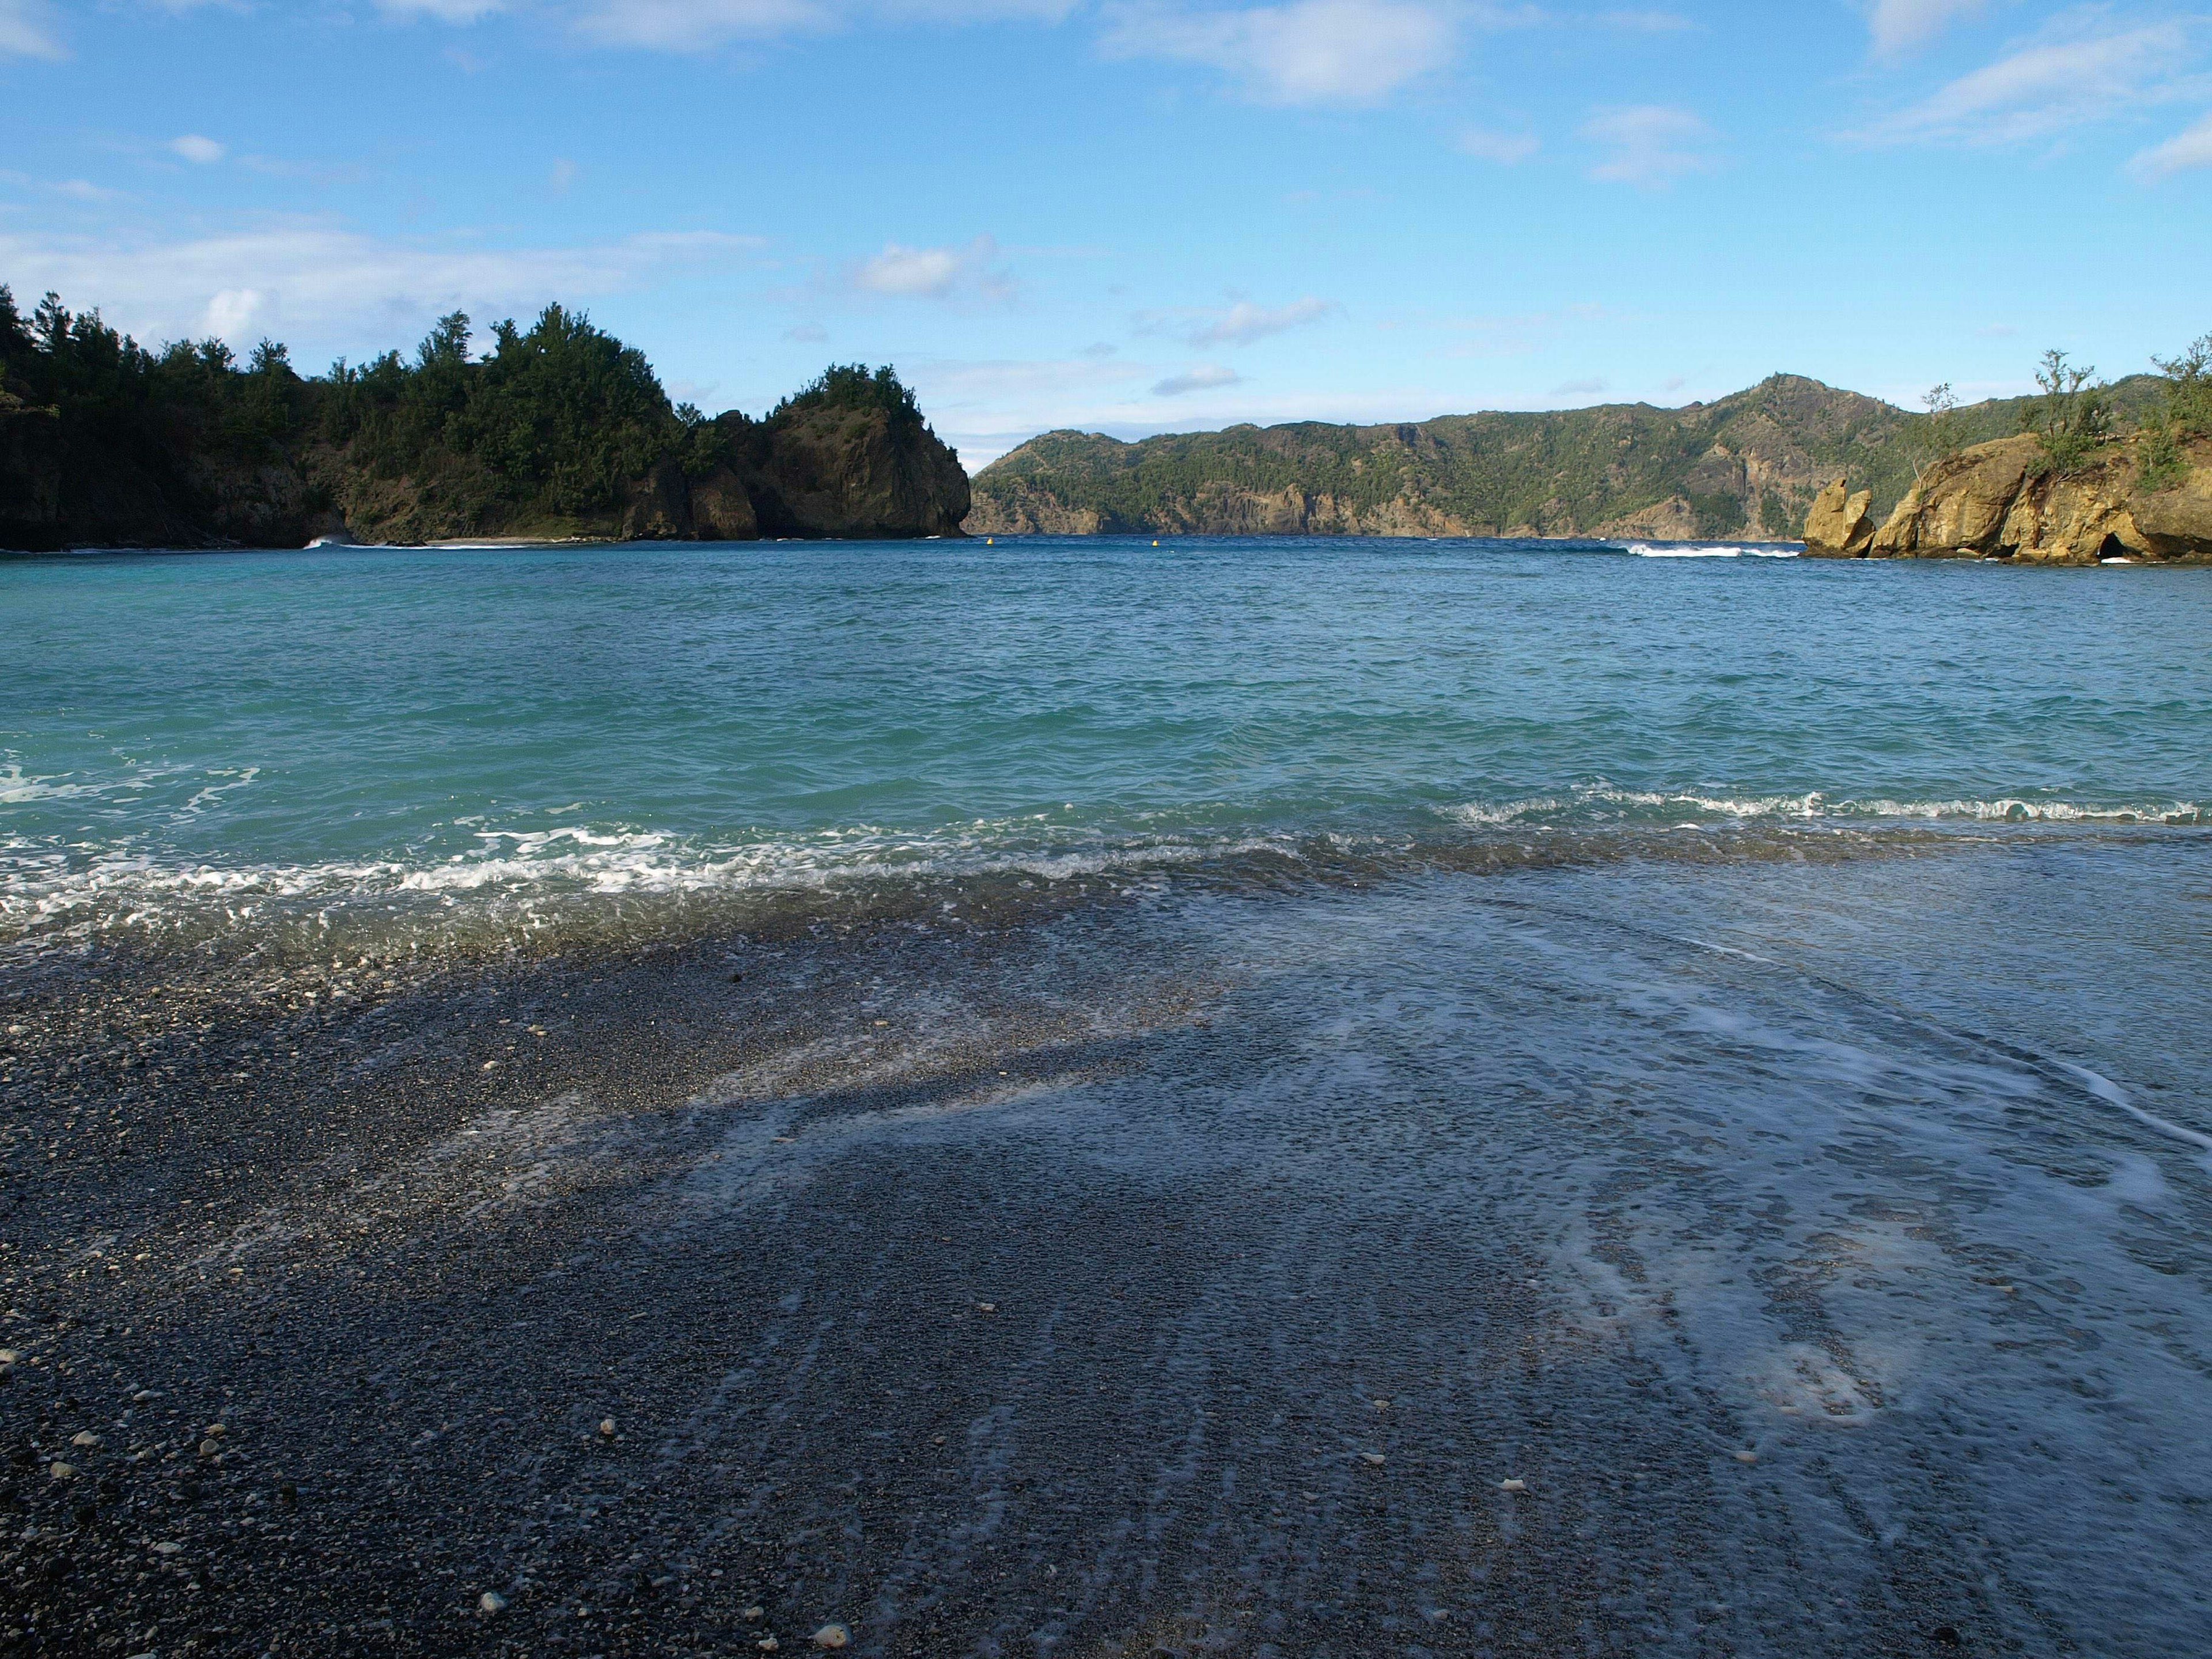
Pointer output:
1748, 464
2092, 473
555, 429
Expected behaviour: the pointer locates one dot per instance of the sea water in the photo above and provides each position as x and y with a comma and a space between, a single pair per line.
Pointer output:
1795, 970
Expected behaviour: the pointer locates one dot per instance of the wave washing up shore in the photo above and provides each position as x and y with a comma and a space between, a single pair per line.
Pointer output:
1276, 1098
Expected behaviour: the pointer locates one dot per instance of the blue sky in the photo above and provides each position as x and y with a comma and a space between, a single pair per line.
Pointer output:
1137, 216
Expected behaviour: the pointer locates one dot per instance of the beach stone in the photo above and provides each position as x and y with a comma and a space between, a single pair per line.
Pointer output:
1513, 1486
1374, 1458
492, 1601
607, 1427
61, 1471
832, 1635
767, 1645
210, 1448
751, 1615
84, 1437
1747, 1457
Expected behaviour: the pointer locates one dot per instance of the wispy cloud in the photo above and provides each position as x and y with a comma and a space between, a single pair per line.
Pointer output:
697, 25
442, 11
1578, 388
1204, 377
2049, 87
27, 30
1900, 25
934, 273
2189, 149
1238, 324
202, 152
1647, 22
1506, 149
1649, 145
1308, 51
340, 289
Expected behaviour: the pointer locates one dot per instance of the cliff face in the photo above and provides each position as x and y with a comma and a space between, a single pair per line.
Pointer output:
813, 474
856, 473
1747, 465
1999, 501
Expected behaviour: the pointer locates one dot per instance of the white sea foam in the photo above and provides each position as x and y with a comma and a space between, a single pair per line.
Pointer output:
1599, 802
1719, 550
48, 888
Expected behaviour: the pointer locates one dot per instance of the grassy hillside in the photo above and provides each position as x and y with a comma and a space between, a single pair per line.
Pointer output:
1747, 465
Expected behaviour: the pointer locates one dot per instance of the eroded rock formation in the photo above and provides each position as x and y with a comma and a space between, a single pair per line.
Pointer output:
2001, 500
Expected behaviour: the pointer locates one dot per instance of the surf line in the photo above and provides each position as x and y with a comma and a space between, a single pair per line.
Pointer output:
2109, 1092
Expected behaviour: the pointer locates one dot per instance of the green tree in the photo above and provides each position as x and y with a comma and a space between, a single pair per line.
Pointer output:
2073, 417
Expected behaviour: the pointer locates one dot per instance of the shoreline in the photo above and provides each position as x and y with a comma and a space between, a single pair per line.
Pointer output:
964, 1280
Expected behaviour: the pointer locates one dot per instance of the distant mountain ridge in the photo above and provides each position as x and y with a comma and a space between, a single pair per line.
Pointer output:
1746, 465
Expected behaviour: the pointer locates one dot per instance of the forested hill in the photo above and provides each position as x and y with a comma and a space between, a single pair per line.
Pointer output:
558, 430
1747, 465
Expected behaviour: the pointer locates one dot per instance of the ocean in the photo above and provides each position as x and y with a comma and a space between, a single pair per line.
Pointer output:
1302, 1097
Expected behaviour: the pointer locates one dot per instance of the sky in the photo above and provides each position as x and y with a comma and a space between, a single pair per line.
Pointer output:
1137, 216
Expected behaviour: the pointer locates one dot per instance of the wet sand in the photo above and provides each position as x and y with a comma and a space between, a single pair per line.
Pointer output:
978, 1288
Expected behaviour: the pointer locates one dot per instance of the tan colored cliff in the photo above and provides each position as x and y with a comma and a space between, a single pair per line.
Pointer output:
2000, 500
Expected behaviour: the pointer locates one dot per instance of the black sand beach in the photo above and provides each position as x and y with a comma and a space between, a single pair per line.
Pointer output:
1150, 1272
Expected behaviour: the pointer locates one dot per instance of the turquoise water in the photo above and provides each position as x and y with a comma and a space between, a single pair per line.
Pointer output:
1794, 972
330, 725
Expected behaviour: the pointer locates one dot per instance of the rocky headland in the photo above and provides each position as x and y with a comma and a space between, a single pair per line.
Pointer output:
1749, 464
2005, 500
558, 432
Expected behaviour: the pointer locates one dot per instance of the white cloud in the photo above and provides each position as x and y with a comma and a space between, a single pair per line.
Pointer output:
1651, 144
332, 290
1239, 323
1506, 149
1204, 377
2044, 88
1578, 388
2191, 147
934, 273
204, 152
27, 30
1647, 22
1900, 25
1308, 51
83, 190
697, 25
442, 11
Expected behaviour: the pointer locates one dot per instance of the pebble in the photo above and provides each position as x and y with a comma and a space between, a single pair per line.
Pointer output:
751, 1615
210, 1448
1513, 1486
8, 1356
145, 1394
61, 1471
84, 1437
987, 1307
832, 1635
1747, 1457
607, 1427
214, 1431
767, 1645
1375, 1458
166, 1549
492, 1601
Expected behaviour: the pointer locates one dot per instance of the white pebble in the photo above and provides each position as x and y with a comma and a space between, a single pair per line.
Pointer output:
832, 1635
492, 1601
1513, 1486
